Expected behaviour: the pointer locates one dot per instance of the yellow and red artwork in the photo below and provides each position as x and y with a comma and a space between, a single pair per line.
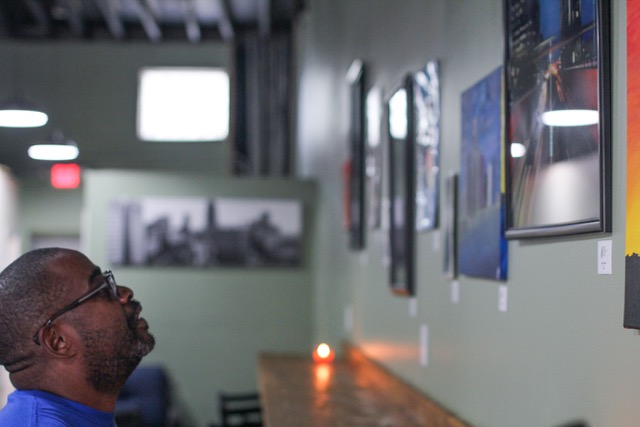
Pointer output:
632, 250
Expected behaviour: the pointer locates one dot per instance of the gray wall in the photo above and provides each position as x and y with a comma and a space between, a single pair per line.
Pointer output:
209, 323
560, 352
45, 211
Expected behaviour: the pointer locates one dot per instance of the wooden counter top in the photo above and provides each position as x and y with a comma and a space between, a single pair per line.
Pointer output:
354, 392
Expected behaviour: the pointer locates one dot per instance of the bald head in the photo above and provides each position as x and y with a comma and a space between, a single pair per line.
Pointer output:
28, 291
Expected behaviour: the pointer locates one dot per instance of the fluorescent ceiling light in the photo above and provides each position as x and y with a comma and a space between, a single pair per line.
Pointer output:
570, 118
183, 104
57, 149
56, 152
21, 115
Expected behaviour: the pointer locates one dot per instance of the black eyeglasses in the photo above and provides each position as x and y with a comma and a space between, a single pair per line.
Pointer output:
109, 283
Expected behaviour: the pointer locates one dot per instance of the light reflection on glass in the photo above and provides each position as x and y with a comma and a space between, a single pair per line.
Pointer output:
374, 113
518, 150
568, 118
398, 115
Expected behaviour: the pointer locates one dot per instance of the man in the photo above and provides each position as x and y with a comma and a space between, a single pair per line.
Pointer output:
69, 337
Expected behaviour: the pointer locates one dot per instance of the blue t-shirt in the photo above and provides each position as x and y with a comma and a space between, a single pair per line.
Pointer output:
34, 408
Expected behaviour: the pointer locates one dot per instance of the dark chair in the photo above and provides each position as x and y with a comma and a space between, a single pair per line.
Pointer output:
240, 409
145, 399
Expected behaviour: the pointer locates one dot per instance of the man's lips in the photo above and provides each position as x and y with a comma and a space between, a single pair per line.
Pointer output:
134, 317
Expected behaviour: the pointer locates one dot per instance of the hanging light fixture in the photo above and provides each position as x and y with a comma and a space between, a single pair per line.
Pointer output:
58, 148
16, 111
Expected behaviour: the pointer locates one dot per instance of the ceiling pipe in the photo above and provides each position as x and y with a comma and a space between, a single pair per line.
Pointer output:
148, 21
191, 21
109, 8
40, 14
76, 22
226, 23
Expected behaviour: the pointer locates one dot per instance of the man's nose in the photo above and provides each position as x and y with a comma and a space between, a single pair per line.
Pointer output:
124, 294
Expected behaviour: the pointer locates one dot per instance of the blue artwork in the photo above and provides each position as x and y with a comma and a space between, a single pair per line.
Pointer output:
482, 244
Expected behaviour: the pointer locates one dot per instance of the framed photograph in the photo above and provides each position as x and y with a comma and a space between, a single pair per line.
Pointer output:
357, 217
374, 162
158, 231
449, 227
482, 249
400, 122
557, 91
426, 88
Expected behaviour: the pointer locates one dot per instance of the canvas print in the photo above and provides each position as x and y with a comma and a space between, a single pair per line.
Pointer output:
357, 213
154, 231
482, 250
426, 98
401, 151
557, 117
632, 258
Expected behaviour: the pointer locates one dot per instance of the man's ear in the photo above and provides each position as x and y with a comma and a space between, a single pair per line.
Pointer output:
59, 341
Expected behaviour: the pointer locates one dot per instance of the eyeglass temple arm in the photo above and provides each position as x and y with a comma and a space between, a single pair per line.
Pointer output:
36, 337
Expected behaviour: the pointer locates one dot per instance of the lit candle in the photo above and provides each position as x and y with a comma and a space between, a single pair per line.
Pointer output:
323, 354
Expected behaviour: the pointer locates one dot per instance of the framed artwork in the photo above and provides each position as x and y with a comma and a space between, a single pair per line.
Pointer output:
346, 193
632, 250
357, 217
482, 247
426, 88
557, 89
450, 208
374, 162
158, 231
400, 122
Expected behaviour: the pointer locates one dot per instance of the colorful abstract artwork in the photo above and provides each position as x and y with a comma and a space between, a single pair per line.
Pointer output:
632, 250
482, 250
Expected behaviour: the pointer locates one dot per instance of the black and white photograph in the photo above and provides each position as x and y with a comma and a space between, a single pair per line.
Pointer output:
152, 231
